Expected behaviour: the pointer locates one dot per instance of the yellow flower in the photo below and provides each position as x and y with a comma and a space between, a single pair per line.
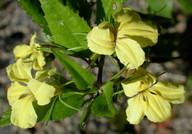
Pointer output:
150, 97
24, 90
31, 51
126, 39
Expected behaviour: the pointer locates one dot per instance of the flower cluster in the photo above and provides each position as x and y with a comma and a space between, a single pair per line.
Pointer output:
27, 87
150, 97
127, 37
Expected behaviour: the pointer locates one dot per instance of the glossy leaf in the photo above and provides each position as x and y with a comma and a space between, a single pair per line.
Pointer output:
81, 77
103, 104
33, 8
67, 28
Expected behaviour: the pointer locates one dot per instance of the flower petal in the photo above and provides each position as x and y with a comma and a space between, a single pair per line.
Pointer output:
135, 110
139, 82
15, 91
131, 89
23, 113
144, 34
157, 109
42, 91
126, 16
170, 91
131, 26
20, 71
130, 53
44, 74
22, 51
32, 41
101, 39
39, 60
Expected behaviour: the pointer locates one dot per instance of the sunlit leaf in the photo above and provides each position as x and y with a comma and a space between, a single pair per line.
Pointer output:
33, 8
67, 28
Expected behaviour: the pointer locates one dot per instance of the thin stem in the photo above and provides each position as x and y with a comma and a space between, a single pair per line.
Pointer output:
118, 92
114, 63
119, 73
100, 72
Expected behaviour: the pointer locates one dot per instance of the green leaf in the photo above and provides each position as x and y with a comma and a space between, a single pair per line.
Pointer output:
66, 105
186, 6
83, 7
67, 28
103, 104
5, 118
162, 8
81, 77
44, 112
106, 8
33, 8
85, 116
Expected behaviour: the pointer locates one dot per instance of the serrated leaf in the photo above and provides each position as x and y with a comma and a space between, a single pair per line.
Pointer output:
5, 118
67, 28
103, 104
81, 77
33, 8
109, 7
162, 8
66, 105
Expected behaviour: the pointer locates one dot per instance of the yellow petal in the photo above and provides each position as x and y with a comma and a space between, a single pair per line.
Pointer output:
144, 34
170, 91
16, 91
20, 71
131, 89
32, 42
39, 60
130, 53
42, 91
125, 16
130, 25
140, 81
23, 113
101, 39
157, 109
135, 110
44, 74
22, 51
